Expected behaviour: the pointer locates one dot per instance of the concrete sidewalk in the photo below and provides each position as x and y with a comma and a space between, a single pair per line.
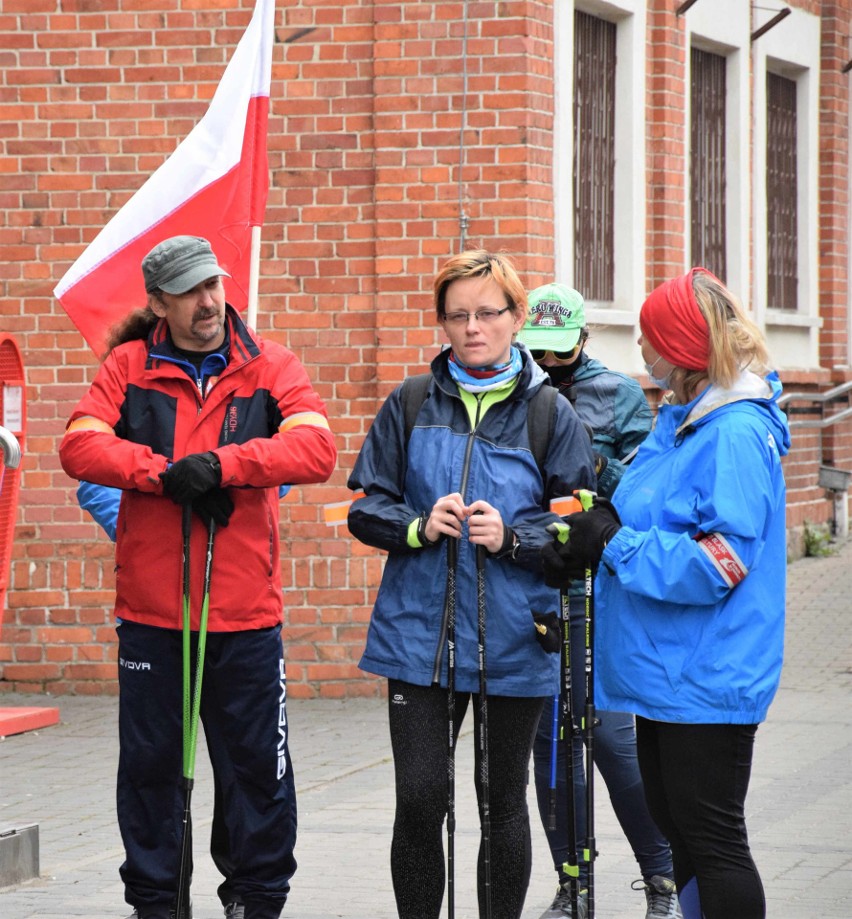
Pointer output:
799, 807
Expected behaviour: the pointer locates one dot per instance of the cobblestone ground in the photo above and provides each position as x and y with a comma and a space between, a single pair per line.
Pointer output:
799, 807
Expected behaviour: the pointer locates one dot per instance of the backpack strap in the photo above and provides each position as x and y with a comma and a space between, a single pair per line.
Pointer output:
541, 419
541, 413
413, 395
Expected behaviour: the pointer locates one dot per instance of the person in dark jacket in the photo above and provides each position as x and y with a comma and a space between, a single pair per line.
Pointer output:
467, 475
690, 587
190, 409
616, 412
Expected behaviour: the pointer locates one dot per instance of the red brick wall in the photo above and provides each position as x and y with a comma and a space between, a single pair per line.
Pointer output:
834, 183
666, 143
363, 208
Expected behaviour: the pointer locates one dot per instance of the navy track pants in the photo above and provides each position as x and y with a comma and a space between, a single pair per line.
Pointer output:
245, 724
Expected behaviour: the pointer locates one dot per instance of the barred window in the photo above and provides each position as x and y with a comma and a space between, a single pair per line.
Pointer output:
594, 155
707, 162
781, 193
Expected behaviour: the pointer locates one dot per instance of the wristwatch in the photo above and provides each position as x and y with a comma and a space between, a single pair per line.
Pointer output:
425, 542
511, 551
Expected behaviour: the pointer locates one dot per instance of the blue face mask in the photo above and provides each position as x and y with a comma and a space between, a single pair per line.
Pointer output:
663, 382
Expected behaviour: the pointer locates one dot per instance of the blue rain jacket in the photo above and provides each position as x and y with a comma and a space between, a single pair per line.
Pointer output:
690, 592
406, 639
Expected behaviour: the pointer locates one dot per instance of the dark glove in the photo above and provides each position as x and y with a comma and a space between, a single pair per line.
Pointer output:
191, 476
215, 505
547, 631
560, 565
600, 464
589, 532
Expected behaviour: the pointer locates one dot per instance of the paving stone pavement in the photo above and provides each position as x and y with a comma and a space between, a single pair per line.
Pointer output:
799, 806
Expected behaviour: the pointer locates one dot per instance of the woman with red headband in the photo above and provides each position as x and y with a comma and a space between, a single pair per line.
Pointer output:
690, 585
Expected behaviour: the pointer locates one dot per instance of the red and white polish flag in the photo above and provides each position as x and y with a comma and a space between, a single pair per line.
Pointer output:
214, 185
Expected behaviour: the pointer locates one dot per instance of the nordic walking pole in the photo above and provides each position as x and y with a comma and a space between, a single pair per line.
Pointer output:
483, 726
563, 507
182, 905
452, 564
191, 707
554, 755
572, 866
589, 719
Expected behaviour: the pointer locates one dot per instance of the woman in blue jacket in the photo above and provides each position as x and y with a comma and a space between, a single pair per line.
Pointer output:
690, 588
614, 409
468, 474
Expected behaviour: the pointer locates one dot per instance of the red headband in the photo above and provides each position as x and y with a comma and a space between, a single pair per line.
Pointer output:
674, 325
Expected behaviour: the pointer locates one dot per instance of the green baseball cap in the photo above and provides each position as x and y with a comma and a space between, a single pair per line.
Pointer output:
556, 318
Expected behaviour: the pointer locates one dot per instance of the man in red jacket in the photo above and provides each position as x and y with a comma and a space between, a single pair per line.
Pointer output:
190, 408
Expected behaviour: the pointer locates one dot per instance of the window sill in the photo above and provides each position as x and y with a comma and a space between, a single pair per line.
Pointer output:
792, 319
598, 314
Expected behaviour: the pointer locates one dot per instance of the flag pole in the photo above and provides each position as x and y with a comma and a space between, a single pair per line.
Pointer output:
254, 275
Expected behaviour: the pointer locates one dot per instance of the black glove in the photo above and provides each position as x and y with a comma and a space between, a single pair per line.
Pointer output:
547, 631
589, 533
215, 505
191, 476
591, 530
560, 565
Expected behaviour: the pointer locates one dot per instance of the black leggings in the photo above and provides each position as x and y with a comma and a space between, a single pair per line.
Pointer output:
418, 730
696, 777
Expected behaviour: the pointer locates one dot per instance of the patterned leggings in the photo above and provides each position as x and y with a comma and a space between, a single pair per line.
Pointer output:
418, 729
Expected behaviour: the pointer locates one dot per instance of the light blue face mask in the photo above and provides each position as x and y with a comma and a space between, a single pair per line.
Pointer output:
663, 382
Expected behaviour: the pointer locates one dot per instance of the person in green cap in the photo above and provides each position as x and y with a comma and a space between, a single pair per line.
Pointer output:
617, 416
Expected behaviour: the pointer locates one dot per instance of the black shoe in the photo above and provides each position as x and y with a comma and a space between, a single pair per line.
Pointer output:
235, 911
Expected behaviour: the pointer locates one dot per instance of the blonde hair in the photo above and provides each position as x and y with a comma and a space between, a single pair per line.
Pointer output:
477, 263
736, 343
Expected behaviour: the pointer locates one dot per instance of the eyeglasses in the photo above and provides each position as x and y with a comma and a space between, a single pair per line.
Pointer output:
485, 316
539, 355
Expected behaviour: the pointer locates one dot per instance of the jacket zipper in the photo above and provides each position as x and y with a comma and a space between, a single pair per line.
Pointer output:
442, 641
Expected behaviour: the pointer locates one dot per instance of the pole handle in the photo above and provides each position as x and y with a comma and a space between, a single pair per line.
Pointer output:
481, 553
586, 498
452, 551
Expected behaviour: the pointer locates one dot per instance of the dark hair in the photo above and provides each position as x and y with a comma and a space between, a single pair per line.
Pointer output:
135, 325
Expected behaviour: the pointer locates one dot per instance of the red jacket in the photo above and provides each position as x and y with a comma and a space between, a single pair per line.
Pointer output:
267, 426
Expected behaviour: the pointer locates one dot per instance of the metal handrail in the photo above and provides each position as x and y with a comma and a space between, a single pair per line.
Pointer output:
819, 399
826, 396
11, 448
823, 422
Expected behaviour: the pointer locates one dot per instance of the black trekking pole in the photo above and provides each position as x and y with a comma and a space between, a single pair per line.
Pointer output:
452, 564
568, 731
191, 705
589, 719
483, 726
568, 727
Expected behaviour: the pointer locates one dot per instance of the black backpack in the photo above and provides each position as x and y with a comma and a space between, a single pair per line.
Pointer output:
541, 416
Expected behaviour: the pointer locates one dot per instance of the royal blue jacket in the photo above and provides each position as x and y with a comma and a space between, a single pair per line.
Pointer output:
690, 592
490, 460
